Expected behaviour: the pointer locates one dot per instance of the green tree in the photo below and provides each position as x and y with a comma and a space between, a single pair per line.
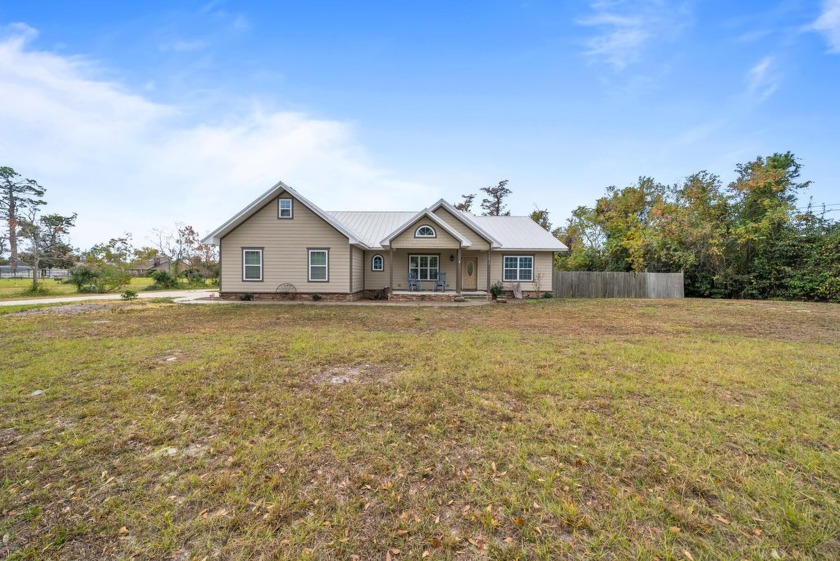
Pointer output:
763, 247
17, 195
629, 218
45, 237
111, 262
541, 217
586, 240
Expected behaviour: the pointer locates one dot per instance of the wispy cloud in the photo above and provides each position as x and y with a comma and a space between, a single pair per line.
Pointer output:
763, 78
625, 27
829, 24
125, 162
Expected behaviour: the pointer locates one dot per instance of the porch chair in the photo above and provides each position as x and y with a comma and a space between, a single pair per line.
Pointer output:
413, 282
440, 282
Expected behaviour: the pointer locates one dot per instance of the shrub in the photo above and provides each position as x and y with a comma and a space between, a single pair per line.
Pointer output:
246, 296
40, 290
496, 289
316, 297
85, 278
547, 295
129, 294
163, 279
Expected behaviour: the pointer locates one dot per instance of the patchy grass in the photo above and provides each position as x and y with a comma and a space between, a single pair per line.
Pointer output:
4, 310
556, 429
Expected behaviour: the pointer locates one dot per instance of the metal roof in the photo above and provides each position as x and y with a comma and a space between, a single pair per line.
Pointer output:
371, 227
519, 232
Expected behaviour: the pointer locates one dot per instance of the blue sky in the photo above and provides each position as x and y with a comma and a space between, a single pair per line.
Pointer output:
140, 114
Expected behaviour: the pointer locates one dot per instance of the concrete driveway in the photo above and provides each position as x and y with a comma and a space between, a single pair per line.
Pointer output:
181, 296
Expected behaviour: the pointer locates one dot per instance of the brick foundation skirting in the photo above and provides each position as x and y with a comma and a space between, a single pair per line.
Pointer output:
297, 297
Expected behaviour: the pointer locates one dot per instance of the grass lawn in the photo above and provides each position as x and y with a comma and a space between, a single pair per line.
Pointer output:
603, 429
15, 288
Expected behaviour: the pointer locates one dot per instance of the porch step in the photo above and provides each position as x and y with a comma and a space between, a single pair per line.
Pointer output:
474, 295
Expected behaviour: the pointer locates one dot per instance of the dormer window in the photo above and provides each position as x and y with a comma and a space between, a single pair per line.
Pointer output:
425, 231
285, 208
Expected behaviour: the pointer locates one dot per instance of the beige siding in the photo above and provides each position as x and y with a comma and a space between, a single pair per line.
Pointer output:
376, 280
543, 266
285, 256
358, 269
407, 239
478, 243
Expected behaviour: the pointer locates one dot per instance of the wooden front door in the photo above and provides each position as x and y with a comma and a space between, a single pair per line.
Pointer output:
469, 273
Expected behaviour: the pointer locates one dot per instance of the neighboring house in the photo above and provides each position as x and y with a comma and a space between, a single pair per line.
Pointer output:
282, 245
156, 263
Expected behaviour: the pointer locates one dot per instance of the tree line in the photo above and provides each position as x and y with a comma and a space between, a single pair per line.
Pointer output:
40, 240
748, 239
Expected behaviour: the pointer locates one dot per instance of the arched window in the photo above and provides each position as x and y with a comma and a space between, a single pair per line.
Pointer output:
377, 263
425, 231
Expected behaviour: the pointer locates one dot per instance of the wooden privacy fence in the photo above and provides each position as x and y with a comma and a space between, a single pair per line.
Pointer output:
584, 284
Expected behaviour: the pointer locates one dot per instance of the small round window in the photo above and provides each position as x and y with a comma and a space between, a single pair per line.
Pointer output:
377, 263
469, 269
424, 231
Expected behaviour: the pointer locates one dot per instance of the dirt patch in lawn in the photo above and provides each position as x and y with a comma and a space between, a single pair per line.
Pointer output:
340, 375
61, 310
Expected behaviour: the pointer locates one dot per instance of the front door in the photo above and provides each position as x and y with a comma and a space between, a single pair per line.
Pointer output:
469, 273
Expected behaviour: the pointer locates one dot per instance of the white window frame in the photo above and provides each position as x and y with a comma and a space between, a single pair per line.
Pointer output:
245, 266
428, 268
280, 208
519, 269
326, 266
417, 233
381, 263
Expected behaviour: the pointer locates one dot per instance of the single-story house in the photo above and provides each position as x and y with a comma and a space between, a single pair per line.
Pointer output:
283, 245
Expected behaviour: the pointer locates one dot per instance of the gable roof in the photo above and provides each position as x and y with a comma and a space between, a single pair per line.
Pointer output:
371, 226
466, 218
520, 233
425, 213
375, 230
264, 199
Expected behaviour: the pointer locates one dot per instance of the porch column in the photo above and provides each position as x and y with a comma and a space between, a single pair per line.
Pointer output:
488, 271
458, 272
391, 267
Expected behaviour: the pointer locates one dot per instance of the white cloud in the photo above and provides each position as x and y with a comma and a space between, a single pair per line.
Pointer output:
128, 164
829, 24
763, 79
625, 27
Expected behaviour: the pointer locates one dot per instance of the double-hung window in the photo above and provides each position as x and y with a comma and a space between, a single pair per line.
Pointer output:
285, 208
423, 267
519, 268
319, 265
252, 264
